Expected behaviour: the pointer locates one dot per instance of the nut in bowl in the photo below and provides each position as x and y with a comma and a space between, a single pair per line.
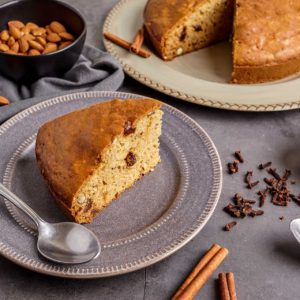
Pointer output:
39, 38
30, 39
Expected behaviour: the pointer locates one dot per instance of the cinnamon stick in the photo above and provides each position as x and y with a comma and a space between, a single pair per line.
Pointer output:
200, 279
231, 286
138, 41
126, 45
224, 291
201, 264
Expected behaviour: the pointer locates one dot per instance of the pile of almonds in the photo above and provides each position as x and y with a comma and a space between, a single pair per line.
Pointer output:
31, 39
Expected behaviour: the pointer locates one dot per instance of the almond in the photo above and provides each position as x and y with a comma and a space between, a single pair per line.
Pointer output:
4, 48
10, 41
14, 32
53, 38
66, 36
64, 45
4, 100
48, 30
57, 27
31, 26
15, 47
11, 52
50, 47
28, 37
16, 23
35, 45
41, 40
4, 35
34, 52
24, 46
38, 31
25, 30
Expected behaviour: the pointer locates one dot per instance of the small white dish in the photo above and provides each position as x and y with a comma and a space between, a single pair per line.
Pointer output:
295, 229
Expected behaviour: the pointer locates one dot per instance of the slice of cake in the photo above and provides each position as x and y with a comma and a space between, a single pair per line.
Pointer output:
176, 27
90, 156
266, 43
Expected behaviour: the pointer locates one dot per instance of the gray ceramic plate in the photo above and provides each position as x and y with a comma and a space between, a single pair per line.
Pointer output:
200, 77
150, 221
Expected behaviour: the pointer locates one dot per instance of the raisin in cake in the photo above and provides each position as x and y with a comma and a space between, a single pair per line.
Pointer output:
176, 27
266, 44
90, 156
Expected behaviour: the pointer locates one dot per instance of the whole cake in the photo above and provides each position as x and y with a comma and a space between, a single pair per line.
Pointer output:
266, 33
176, 27
266, 44
89, 156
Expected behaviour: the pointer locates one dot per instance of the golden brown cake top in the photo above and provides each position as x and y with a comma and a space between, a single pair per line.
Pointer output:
160, 16
69, 148
267, 31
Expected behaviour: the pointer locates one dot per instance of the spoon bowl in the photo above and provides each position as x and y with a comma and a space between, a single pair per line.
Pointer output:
66, 243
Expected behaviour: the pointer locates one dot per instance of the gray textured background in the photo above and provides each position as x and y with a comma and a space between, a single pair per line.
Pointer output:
263, 254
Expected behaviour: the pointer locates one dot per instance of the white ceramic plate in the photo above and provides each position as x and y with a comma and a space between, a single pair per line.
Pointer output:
200, 77
150, 221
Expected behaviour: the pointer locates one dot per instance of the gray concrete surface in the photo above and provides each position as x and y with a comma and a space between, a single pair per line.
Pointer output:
263, 254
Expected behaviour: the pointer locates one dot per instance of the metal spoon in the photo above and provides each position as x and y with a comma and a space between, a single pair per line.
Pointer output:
295, 229
67, 243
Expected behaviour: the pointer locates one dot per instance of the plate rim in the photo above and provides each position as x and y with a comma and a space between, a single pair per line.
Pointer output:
156, 85
144, 261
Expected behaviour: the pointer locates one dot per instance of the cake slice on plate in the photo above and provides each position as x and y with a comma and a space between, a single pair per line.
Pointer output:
88, 157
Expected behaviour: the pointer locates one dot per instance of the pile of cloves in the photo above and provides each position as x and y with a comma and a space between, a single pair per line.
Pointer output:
276, 189
242, 208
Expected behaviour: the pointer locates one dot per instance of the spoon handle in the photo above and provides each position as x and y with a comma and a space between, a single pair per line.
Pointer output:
7, 194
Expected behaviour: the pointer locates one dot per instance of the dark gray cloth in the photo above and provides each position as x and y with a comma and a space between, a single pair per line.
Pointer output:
94, 70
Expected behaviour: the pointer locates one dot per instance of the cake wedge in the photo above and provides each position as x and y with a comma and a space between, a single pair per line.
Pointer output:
90, 156
176, 27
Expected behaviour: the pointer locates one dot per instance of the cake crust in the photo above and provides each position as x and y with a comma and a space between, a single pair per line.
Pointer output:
68, 149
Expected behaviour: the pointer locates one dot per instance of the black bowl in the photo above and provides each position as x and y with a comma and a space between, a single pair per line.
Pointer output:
42, 12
